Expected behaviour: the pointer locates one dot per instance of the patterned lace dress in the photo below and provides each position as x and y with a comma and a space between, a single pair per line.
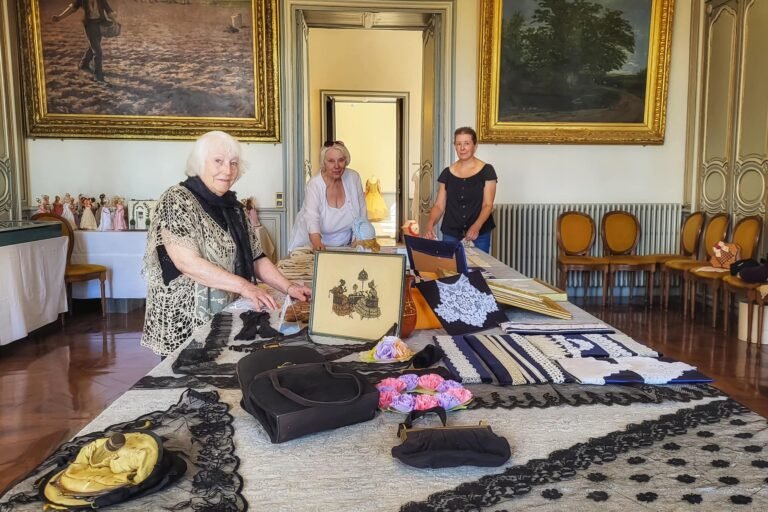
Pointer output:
175, 309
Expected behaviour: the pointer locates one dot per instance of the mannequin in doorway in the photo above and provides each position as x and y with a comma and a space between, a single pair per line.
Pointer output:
377, 207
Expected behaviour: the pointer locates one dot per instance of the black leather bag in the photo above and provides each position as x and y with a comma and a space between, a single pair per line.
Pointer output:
292, 392
448, 447
740, 265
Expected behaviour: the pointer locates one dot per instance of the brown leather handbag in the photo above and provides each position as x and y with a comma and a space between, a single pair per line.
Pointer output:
724, 254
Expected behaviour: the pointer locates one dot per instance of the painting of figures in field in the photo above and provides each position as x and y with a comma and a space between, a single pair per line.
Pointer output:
172, 58
574, 61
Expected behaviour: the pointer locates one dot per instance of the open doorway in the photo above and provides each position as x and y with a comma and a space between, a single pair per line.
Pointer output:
364, 49
375, 125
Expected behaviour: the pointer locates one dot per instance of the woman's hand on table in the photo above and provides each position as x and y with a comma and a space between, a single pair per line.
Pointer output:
315, 240
472, 233
299, 292
261, 299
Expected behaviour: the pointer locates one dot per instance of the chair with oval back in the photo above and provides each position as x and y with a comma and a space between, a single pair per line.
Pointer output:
575, 238
621, 234
690, 240
715, 231
76, 272
746, 235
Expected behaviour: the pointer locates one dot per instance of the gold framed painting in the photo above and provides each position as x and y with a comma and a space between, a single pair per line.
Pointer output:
574, 72
356, 295
130, 69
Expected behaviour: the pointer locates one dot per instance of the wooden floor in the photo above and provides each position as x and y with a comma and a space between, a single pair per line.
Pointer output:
54, 383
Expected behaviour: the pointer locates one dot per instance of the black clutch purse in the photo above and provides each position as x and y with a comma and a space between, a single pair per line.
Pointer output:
293, 393
448, 447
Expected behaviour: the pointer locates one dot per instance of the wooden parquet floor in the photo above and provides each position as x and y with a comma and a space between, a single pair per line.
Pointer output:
55, 382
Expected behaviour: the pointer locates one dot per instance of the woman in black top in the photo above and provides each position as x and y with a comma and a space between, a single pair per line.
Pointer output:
466, 194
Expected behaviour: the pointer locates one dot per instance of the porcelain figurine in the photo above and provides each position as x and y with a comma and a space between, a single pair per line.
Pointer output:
119, 222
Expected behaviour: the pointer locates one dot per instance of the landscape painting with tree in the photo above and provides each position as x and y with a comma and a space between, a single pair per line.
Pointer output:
574, 70
150, 69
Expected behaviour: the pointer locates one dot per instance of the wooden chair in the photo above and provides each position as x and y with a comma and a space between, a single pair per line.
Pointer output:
75, 272
621, 233
575, 238
715, 231
690, 239
746, 235
735, 285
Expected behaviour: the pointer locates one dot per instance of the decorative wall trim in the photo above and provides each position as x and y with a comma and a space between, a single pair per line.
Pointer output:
14, 180
274, 220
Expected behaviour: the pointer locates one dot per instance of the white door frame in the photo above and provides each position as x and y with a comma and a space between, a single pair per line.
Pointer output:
292, 82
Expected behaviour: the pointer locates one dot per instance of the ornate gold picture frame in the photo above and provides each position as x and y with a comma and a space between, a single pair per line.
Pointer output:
356, 295
566, 72
171, 70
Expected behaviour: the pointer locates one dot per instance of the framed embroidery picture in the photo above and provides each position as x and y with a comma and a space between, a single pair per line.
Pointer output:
356, 295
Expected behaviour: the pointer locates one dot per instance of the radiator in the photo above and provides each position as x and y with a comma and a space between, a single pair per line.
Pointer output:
525, 237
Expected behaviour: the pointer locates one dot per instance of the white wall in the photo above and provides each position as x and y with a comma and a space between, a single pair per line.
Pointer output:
528, 173
139, 169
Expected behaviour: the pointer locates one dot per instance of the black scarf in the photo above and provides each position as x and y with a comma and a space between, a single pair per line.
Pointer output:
229, 214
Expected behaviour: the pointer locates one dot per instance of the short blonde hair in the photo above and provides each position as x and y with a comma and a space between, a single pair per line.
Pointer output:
202, 148
335, 145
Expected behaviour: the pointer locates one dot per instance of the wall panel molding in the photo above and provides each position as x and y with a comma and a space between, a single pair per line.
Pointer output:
14, 180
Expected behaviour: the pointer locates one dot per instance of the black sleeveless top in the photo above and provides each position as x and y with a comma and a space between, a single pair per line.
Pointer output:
464, 200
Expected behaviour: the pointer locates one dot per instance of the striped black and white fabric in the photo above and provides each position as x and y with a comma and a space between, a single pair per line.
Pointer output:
561, 346
462, 361
631, 370
513, 360
556, 328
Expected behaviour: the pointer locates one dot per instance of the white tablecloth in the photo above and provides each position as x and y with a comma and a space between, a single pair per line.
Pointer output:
32, 283
122, 253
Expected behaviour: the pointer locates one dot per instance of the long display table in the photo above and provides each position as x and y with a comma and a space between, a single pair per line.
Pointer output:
574, 447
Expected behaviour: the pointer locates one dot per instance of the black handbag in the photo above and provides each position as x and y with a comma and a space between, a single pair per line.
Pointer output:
292, 392
740, 265
448, 447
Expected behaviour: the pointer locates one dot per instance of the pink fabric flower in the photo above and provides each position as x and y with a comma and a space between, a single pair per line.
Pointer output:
386, 397
430, 381
402, 403
411, 380
424, 402
464, 395
390, 383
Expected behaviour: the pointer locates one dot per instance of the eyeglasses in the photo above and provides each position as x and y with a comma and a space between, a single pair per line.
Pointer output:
331, 143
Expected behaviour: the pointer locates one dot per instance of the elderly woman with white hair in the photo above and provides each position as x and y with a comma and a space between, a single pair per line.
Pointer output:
202, 250
334, 199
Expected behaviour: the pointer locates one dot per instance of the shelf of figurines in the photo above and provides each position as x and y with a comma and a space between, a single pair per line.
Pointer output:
111, 214
102, 214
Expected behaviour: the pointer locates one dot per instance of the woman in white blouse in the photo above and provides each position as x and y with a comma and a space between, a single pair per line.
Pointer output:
333, 199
